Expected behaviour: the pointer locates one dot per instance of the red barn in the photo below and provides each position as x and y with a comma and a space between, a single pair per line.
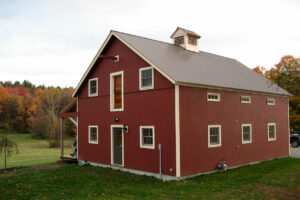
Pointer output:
172, 111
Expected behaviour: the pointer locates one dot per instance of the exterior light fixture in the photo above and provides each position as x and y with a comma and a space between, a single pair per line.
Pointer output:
116, 119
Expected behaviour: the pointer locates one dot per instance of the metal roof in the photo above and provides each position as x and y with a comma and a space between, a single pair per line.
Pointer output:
200, 68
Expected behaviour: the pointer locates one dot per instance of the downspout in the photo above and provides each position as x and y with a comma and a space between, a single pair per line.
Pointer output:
160, 164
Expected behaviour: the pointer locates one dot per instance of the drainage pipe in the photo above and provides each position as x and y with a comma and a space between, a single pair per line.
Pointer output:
159, 148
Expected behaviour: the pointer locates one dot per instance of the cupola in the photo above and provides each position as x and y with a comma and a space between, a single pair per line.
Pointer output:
189, 40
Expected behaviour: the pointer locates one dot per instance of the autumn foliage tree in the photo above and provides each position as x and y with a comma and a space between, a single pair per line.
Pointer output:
286, 74
25, 107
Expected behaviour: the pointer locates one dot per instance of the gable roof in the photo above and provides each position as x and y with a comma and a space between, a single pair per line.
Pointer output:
185, 31
186, 67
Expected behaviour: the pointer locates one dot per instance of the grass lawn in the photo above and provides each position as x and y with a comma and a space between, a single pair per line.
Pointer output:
276, 179
33, 151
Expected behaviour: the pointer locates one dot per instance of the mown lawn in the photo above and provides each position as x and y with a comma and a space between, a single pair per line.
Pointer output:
33, 151
276, 179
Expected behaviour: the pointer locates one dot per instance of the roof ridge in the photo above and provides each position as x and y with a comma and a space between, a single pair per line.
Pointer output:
142, 37
169, 44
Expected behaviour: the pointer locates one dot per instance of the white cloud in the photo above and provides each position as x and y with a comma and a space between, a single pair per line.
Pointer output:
53, 42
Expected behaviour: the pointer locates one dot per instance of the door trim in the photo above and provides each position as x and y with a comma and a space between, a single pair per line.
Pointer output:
112, 126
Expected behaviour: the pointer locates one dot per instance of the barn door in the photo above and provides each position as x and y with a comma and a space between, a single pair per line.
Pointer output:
117, 146
118, 91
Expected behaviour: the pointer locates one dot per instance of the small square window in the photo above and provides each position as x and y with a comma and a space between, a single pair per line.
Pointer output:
93, 134
246, 133
192, 41
93, 87
179, 40
270, 101
146, 78
214, 136
147, 137
271, 131
245, 99
213, 97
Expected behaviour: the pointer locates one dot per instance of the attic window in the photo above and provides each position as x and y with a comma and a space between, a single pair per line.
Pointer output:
179, 40
245, 99
192, 41
213, 97
270, 101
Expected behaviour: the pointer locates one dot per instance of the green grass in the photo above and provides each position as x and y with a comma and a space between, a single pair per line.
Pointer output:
33, 151
276, 179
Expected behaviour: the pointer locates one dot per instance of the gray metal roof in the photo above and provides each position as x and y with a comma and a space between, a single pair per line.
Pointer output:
188, 31
200, 68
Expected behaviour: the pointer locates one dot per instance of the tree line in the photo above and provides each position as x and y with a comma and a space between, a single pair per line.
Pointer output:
286, 74
25, 107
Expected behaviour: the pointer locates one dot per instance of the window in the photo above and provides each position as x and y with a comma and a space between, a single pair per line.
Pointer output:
214, 136
271, 131
179, 40
146, 78
270, 101
213, 97
93, 134
147, 137
246, 133
93, 87
116, 91
245, 99
192, 41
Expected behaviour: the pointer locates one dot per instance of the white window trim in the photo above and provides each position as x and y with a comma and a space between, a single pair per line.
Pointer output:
220, 134
245, 97
141, 138
112, 109
96, 94
93, 142
246, 142
140, 79
272, 139
215, 100
271, 103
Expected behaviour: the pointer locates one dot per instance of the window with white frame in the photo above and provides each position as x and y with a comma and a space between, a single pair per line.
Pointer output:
93, 87
271, 131
93, 134
214, 136
146, 78
270, 101
147, 137
213, 97
245, 99
117, 91
246, 133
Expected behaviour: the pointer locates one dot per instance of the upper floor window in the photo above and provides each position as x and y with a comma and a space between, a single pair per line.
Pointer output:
147, 137
270, 101
245, 99
271, 131
179, 40
146, 78
192, 41
246, 133
93, 134
116, 91
93, 87
214, 136
213, 97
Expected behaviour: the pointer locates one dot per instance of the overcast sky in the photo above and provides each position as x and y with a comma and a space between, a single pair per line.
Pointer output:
53, 42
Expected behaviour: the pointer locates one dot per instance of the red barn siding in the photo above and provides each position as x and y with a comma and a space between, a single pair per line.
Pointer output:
150, 107
196, 113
